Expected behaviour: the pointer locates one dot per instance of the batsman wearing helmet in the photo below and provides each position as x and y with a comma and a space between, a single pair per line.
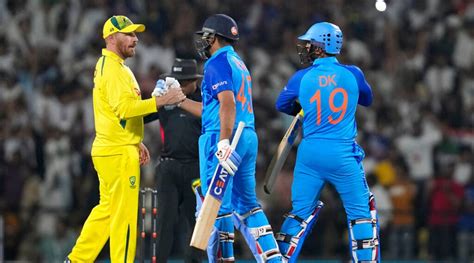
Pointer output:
328, 92
117, 151
227, 100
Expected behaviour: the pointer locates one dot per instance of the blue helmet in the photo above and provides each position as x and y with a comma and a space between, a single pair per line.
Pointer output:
222, 25
218, 24
324, 35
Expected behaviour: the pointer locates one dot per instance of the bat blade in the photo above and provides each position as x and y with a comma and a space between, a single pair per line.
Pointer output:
282, 153
205, 222
212, 201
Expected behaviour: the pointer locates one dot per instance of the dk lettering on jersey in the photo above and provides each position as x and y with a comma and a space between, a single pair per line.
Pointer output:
327, 80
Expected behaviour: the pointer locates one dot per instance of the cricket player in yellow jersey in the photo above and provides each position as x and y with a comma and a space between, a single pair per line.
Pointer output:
117, 151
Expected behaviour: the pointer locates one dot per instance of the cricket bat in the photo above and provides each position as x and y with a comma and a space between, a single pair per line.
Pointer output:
282, 153
212, 201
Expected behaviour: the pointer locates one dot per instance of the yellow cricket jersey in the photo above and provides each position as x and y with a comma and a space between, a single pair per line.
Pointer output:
118, 106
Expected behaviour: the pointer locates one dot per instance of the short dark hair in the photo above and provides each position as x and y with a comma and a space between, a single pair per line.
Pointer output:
224, 41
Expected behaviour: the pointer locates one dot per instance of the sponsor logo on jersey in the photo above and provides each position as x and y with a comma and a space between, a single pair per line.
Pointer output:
217, 85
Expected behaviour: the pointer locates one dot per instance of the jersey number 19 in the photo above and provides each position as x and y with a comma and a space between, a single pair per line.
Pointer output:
335, 109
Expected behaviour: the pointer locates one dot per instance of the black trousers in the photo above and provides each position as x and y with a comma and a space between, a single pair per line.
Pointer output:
176, 206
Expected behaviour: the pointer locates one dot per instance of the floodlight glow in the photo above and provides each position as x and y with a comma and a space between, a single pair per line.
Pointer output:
380, 5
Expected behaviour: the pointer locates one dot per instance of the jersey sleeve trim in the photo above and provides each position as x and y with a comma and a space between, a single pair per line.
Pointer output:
102, 66
365, 91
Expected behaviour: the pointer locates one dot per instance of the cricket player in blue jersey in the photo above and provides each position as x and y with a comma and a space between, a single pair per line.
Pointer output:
227, 100
328, 92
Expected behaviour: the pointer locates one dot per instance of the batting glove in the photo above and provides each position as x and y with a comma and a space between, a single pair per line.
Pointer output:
160, 88
172, 83
228, 158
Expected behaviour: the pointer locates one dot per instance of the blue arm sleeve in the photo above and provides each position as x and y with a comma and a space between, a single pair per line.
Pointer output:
286, 101
219, 75
365, 92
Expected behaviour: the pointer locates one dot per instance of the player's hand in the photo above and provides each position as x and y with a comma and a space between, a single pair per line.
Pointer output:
173, 96
160, 88
228, 158
163, 86
172, 83
144, 154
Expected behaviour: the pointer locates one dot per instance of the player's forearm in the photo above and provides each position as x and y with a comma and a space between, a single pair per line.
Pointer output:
135, 108
193, 107
227, 118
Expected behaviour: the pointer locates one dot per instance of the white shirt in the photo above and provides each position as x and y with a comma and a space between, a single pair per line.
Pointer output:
418, 152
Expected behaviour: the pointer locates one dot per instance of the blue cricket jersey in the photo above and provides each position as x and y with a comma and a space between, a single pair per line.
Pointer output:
225, 70
328, 93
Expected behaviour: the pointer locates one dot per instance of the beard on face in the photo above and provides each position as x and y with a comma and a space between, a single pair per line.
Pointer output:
127, 49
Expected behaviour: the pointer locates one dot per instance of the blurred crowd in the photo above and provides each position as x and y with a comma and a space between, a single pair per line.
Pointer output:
418, 56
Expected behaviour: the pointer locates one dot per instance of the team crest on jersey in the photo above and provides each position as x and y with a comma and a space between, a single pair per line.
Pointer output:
132, 180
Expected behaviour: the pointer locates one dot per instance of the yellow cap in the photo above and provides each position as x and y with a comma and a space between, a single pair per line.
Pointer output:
120, 24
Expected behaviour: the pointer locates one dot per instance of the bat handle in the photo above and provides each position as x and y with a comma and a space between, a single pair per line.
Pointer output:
238, 132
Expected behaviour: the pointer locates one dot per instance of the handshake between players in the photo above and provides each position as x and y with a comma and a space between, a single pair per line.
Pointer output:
168, 93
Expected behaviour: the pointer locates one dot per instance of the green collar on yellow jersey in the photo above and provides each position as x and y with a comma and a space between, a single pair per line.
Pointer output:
112, 55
